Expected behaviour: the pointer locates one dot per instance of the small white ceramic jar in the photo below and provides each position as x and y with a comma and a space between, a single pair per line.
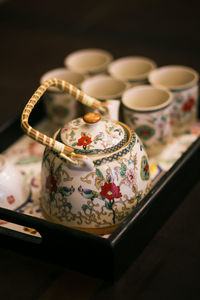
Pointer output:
14, 192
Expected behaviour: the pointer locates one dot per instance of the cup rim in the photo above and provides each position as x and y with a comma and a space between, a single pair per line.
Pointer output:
68, 61
153, 73
152, 65
51, 74
89, 81
148, 109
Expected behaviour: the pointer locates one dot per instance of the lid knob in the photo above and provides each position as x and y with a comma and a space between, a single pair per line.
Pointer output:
92, 118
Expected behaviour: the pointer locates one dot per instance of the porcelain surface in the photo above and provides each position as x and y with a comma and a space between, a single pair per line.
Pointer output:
99, 199
26, 155
88, 61
185, 109
147, 110
60, 106
13, 190
105, 136
155, 129
182, 81
106, 89
133, 70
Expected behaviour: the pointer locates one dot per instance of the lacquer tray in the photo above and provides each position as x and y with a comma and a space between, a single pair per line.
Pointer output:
25, 230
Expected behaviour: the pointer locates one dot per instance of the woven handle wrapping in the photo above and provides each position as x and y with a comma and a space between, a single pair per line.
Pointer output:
63, 150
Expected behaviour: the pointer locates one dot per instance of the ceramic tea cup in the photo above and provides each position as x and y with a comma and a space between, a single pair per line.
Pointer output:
183, 83
14, 192
61, 107
147, 110
88, 61
106, 89
133, 70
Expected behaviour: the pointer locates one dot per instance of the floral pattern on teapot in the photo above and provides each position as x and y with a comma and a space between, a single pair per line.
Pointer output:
88, 139
105, 195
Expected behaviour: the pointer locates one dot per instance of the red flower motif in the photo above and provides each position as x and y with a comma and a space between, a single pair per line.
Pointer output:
11, 199
187, 105
51, 183
84, 141
146, 168
110, 191
145, 132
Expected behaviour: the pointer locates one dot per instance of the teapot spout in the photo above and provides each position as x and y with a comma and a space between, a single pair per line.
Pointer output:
80, 164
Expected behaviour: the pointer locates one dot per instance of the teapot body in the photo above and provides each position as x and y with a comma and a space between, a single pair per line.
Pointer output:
94, 170
98, 200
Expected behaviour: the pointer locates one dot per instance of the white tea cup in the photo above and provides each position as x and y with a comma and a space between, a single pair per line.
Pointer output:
106, 89
182, 81
147, 111
61, 107
133, 70
88, 61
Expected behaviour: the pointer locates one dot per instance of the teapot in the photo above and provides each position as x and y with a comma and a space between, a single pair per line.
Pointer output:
94, 170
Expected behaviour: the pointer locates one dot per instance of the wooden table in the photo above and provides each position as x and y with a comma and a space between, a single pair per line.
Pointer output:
35, 37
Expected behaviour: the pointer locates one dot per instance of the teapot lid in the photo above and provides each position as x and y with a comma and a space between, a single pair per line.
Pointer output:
93, 134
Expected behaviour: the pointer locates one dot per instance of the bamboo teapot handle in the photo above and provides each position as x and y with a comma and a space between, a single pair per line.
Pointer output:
64, 151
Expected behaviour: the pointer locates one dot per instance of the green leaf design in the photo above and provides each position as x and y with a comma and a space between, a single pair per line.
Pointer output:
139, 197
74, 144
123, 170
101, 197
76, 122
108, 205
179, 100
85, 207
72, 133
154, 120
99, 174
163, 118
28, 160
45, 156
59, 168
68, 205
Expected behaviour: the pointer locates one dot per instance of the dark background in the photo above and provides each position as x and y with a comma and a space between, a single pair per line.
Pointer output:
35, 36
